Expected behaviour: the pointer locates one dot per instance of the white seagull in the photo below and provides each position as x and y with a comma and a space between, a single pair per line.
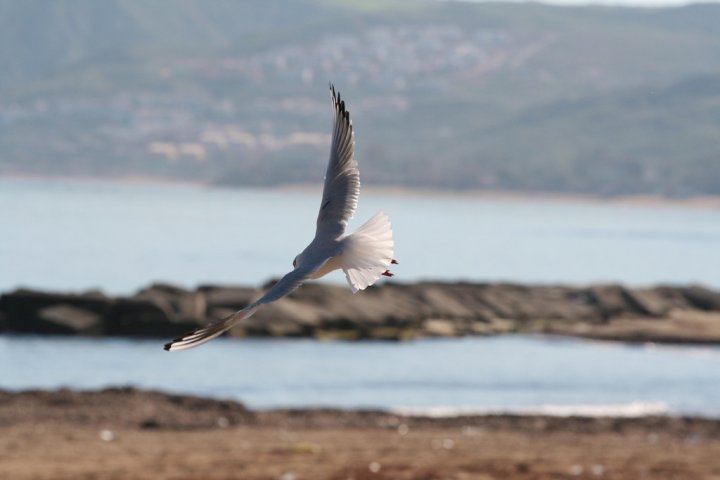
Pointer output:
364, 255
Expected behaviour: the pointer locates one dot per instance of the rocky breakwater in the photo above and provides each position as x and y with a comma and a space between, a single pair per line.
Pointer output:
688, 314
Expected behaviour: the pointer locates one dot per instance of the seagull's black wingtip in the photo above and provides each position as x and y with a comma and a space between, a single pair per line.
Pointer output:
339, 104
168, 346
335, 94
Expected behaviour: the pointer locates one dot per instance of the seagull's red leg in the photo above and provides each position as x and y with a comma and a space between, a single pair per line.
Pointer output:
388, 273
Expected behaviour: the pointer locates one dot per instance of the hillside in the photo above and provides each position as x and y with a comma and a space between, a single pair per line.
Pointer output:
443, 94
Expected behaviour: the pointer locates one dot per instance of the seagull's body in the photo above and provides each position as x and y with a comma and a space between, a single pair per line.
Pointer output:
363, 256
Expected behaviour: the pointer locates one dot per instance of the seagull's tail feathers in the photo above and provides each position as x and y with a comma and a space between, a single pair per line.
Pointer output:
368, 252
203, 335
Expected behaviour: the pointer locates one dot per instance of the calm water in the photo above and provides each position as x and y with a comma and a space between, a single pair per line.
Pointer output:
499, 373
78, 235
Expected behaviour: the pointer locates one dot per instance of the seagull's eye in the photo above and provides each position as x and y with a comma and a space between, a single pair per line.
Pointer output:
295, 263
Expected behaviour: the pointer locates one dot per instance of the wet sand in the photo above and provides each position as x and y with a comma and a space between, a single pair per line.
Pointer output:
130, 434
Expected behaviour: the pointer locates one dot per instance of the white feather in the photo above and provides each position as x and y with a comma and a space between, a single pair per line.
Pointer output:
367, 252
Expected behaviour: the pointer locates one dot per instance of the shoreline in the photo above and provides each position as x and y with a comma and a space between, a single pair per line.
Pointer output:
639, 200
129, 433
634, 411
184, 411
644, 200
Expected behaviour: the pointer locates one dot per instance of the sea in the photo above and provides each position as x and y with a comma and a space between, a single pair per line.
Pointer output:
118, 237
64, 235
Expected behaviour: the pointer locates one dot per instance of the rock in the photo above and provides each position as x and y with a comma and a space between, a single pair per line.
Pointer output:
683, 326
556, 304
673, 296
67, 319
185, 305
285, 328
231, 298
388, 333
277, 327
650, 301
338, 335
216, 314
153, 318
702, 298
391, 311
614, 300
494, 326
290, 310
445, 301
21, 308
501, 301
437, 327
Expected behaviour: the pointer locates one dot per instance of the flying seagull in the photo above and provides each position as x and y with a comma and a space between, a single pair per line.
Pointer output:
363, 256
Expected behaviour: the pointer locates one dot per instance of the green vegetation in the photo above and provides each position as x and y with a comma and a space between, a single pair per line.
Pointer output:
443, 94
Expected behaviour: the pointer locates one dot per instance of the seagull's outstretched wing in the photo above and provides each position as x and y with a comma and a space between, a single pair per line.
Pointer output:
342, 179
284, 286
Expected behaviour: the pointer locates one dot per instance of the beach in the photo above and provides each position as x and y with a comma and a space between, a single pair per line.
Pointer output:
133, 434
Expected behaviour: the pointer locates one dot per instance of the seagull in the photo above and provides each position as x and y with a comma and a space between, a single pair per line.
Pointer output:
364, 255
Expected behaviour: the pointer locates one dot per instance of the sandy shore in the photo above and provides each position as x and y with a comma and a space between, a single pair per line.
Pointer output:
130, 434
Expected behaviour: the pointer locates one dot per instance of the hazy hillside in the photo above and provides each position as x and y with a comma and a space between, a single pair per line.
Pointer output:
445, 94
